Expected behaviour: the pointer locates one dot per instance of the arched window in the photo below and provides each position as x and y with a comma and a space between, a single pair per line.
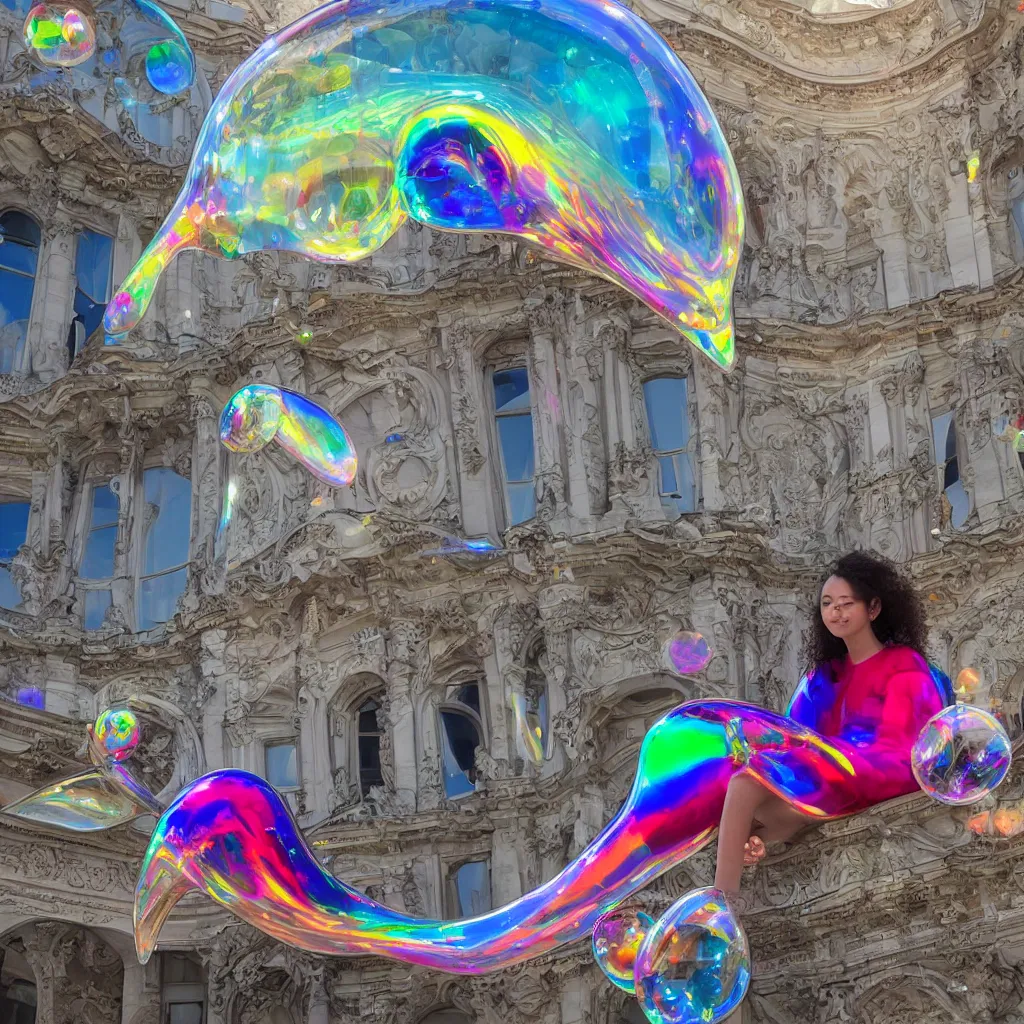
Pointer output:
947, 459
461, 735
668, 418
19, 257
182, 990
18, 1004
368, 733
13, 531
166, 532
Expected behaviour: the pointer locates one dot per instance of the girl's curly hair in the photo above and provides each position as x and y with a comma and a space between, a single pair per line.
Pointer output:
901, 620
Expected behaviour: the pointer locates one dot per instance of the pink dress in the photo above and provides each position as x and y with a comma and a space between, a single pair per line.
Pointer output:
879, 706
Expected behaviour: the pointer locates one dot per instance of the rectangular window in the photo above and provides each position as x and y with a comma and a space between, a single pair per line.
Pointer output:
668, 418
94, 260
97, 563
471, 883
13, 531
282, 765
165, 550
19, 251
947, 459
515, 437
185, 1013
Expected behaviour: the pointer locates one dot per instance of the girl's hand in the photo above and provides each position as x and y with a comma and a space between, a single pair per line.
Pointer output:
753, 851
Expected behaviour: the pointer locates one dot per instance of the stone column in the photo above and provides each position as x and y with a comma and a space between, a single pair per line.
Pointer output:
547, 402
46, 353
318, 1001
405, 648
206, 482
140, 999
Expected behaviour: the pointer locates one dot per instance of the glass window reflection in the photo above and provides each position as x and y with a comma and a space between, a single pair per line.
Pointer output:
19, 254
13, 533
947, 458
472, 884
459, 741
94, 256
167, 521
515, 438
282, 765
668, 419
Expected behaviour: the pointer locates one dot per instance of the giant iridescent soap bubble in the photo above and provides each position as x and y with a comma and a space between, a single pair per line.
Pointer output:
693, 966
260, 413
962, 754
569, 123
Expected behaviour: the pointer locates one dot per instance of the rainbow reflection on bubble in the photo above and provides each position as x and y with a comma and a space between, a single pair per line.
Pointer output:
59, 36
231, 836
693, 966
479, 547
116, 732
617, 938
569, 123
530, 713
260, 413
962, 754
686, 654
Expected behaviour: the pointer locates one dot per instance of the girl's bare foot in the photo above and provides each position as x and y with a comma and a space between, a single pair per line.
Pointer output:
753, 851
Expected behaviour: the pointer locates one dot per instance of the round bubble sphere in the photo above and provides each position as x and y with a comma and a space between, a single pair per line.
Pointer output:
617, 937
686, 653
59, 36
694, 965
251, 419
117, 733
962, 754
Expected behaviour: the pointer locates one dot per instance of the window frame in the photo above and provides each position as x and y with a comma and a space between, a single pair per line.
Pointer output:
692, 447
9, 498
81, 228
517, 358
281, 740
356, 713
451, 705
23, 359
943, 461
139, 541
181, 993
451, 884
93, 478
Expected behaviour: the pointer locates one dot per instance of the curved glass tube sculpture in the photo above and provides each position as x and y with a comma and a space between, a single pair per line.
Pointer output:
569, 123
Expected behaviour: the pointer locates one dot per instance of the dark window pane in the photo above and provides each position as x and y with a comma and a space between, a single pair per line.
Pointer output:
158, 597
369, 753
13, 528
98, 559
470, 696
951, 440
180, 970
473, 888
282, 768
104, 506
368, 721
516, 436
19, 243
665, 399
185, 1013
96, 604
511, 390
167, 537
951, 473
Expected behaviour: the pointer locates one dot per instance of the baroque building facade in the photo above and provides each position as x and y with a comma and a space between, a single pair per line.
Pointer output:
637, 490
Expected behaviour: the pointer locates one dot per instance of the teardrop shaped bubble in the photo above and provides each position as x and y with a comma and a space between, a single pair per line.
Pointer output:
59, 36
962, 754
694, 965
686, 653
251, 418
616, 941
117, 732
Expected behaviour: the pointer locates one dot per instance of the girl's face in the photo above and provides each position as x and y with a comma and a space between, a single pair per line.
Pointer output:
843, 613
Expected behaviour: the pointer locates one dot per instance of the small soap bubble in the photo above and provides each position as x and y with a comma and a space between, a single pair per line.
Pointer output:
117, 733
686, 653
693, 967
616, 940
962, 754
967, 682
59, 36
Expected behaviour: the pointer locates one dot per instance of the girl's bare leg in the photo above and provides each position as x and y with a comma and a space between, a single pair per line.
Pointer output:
749, 809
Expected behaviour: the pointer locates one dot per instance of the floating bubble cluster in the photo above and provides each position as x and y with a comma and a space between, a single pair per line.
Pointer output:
962, 754
616, 940
569, 123
686, 654
260, 413
116, 732
693, 966
59, 36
